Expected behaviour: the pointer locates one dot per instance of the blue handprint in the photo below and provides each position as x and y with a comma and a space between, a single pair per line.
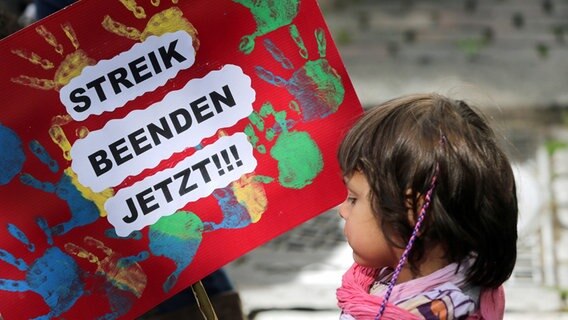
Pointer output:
54, 276
83, 211
176, 237
11, 155
316, 86
235, 214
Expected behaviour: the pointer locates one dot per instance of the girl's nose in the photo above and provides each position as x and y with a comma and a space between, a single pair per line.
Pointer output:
342, 210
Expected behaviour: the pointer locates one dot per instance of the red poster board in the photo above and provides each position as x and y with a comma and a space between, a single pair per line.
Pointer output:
145, 145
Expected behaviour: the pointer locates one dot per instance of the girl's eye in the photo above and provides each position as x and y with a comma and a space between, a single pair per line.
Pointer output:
351, 200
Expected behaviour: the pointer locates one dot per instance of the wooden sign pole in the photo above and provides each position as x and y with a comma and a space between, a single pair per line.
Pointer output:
203, 301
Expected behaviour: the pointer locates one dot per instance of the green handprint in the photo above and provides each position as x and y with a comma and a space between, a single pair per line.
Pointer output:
269, 16
299, 158
317, 86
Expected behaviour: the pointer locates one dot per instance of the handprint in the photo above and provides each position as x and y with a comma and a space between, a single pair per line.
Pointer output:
124, 280
316, 86
242, 202
168, 20
176, 237
269, 16
12, 155
69, 68
83, 211
299, 158
55, 276
85, 206
179, 235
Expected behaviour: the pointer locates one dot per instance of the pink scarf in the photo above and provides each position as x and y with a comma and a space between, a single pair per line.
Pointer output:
354, 299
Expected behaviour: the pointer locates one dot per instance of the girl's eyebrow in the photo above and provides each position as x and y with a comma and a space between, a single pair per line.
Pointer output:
349, 188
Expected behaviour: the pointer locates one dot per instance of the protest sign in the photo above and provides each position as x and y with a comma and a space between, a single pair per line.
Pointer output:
144, 145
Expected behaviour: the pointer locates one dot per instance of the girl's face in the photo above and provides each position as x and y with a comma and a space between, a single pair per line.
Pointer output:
370, 247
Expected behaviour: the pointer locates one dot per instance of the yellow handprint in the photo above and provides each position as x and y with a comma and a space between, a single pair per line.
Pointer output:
69, 68
124, 278
168, 20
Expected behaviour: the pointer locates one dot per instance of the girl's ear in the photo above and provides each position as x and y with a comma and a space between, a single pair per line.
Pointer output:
413, 203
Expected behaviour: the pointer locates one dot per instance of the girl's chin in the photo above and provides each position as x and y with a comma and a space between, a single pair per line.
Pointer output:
363, 262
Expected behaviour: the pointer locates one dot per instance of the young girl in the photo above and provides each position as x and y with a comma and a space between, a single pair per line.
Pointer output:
431, 213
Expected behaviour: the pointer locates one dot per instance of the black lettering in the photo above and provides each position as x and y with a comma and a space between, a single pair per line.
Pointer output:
135, 140
165, 131
143, 200
118, 77
165, 190
136, 67
184, 186
202, 169
133, 211
235, 153
171, 53
154, 61
197, 110
100, 162
228, 99
118, 151
176, 120
98, 88
76, 96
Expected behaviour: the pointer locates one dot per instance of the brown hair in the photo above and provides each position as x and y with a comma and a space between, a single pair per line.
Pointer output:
398, 145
